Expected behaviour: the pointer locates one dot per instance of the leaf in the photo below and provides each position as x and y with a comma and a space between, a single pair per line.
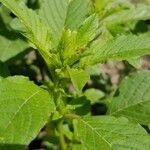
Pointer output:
107, 7
68, 44
75, 42
94, 94
10, 43
87, 30
108, 132
77, 11
10, 48
100, 5
36, 30
142, 12
16, 25
133, 100
5, 15
54, 13
135, 62
24, 110
93, 70
79, 78
63, 14
119, 48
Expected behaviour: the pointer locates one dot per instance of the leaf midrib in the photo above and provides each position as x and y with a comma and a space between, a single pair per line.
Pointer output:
133, 105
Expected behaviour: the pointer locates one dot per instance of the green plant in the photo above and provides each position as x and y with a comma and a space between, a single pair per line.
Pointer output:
72, 35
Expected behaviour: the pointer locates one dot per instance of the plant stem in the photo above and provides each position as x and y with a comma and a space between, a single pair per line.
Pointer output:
63, 145
72, 116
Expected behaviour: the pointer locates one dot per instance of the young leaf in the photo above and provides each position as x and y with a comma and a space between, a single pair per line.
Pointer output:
133, 100
79, 78
87, 31
119, 48
54, 12
75, 42
100, 5
24, 110
77, 11
36, 31
112, 133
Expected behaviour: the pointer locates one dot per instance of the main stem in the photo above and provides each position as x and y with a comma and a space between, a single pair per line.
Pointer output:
62, 141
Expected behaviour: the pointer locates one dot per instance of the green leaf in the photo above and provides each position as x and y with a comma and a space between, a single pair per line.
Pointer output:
10, 48
24, 110
77, 11
107, 7
68, 44
63, 14
79, 106
133, 100
93, 94
135, 62
87, 30
10, 43
79, 78
75, 42
36, 30
142, 12
5, 15
112, 133
54, 13
100, 5
119, 48
93, 70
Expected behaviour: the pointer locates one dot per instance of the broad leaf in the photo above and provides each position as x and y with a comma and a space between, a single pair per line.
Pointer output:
24, 110
133, 100
119, 48
79, 78
36, 30
77, 12
112, 133
54, 12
